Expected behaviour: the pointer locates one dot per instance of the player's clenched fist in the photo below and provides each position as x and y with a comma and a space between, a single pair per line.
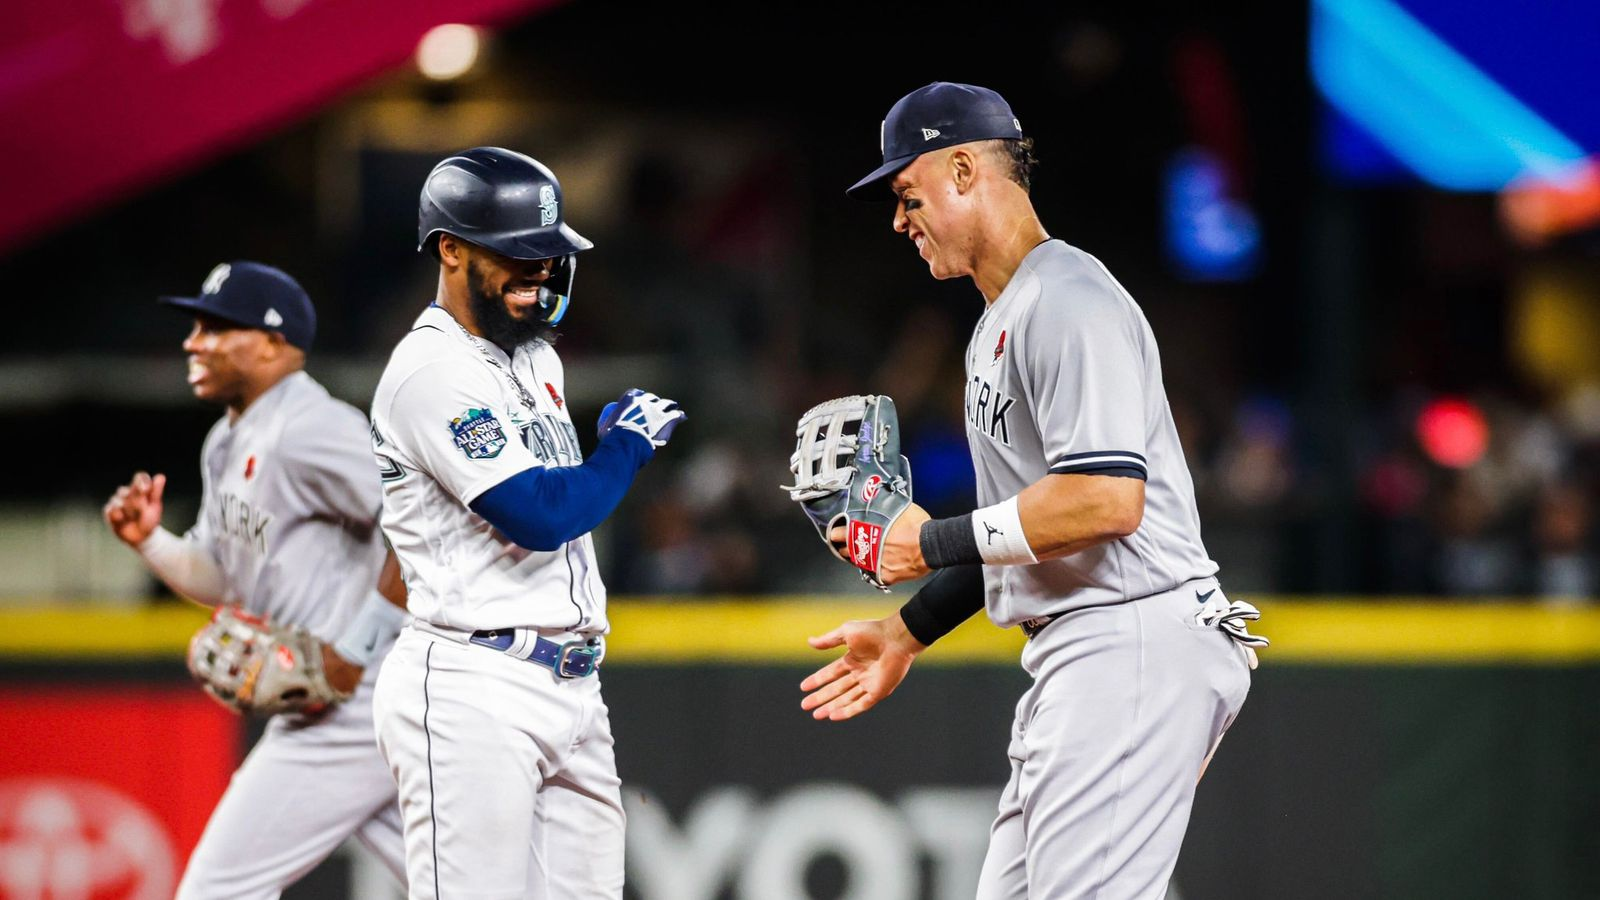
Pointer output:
134, 511
643, 413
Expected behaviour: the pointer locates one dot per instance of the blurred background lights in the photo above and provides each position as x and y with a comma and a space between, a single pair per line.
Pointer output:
1453, 432
448, 51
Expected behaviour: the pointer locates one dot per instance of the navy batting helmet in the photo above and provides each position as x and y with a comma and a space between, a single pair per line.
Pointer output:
508, 203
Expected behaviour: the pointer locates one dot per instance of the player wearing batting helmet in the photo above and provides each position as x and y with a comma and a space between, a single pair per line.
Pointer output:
489, 711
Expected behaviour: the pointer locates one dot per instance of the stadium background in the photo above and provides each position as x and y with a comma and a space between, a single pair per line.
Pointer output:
1364, 233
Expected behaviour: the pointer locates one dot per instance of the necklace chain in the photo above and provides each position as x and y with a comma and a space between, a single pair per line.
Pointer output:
526, 395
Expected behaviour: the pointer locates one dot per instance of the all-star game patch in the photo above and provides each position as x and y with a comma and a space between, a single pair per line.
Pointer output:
478, 434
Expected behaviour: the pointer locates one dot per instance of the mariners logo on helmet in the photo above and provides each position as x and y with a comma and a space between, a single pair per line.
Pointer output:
548, 208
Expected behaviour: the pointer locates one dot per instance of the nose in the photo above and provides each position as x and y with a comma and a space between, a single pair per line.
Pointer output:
901, 223
192, 343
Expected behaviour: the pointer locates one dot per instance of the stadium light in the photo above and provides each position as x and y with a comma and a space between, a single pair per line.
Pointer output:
447, 52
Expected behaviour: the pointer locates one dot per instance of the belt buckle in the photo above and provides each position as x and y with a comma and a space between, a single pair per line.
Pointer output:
575, 659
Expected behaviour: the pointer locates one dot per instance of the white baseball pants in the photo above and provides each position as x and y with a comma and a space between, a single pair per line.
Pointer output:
508, 785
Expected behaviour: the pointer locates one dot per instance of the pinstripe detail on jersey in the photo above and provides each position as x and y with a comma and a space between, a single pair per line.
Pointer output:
433, 818
1102, 461
572, 585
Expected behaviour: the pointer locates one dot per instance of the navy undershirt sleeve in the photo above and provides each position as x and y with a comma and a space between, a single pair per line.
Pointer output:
541, 509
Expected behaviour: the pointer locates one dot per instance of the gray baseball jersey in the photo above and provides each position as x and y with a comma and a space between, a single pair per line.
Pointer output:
290, 513
1063, 376
290, 507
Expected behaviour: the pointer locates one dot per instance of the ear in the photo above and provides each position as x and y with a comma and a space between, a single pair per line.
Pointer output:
275, 346
451, 251
963, 169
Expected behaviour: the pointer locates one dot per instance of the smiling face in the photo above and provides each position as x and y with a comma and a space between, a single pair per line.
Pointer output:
935, 212
225, 359
503, 294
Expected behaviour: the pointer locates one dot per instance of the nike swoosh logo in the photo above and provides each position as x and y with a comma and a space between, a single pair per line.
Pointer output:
1204, 597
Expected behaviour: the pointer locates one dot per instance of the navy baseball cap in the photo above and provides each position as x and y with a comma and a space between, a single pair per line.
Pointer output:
255, 296
933, 117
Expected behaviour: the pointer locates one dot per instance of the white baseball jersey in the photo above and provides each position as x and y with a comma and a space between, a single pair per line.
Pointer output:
449, 422
1063, 376
290, 508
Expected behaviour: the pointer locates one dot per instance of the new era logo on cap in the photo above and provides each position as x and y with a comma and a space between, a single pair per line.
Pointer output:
272, 318
929, 134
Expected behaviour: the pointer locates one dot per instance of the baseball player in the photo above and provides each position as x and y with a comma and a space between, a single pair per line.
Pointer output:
1087, 537
489, 709
287, 531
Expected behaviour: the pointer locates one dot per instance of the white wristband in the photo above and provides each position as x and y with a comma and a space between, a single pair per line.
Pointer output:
371, 630
998, 531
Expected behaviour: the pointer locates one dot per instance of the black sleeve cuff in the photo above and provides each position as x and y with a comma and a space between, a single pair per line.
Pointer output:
949, 542
949, 598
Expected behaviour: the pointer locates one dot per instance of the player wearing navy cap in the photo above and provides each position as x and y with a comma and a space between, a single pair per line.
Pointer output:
1087, 537
288, 533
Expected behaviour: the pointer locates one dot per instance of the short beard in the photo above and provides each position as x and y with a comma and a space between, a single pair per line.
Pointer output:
495, 320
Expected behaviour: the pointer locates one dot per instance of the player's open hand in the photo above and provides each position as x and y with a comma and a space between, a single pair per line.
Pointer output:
134, 511
879, 653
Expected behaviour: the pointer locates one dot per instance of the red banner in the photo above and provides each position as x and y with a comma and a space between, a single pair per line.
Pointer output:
104, 792
100, 96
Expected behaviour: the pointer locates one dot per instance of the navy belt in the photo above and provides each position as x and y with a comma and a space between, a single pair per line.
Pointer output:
1033, 626
573, 659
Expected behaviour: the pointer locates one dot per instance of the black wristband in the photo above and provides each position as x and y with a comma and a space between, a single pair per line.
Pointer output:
949, 598
949, 542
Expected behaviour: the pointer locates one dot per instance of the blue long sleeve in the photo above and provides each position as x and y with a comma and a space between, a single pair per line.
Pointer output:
541, 509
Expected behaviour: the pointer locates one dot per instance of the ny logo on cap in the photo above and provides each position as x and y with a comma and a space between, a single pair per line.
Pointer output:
216, 278
547, 205
272, 318
929, 134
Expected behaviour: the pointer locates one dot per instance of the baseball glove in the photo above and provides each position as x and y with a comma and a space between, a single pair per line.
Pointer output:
848, 472
254, 668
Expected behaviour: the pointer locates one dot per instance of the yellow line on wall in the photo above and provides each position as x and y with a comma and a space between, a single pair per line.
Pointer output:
773, 631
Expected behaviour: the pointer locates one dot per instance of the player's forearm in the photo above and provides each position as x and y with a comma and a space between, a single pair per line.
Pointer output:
1056, 516
392, 582
1066, 514
541, 509
184, 566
